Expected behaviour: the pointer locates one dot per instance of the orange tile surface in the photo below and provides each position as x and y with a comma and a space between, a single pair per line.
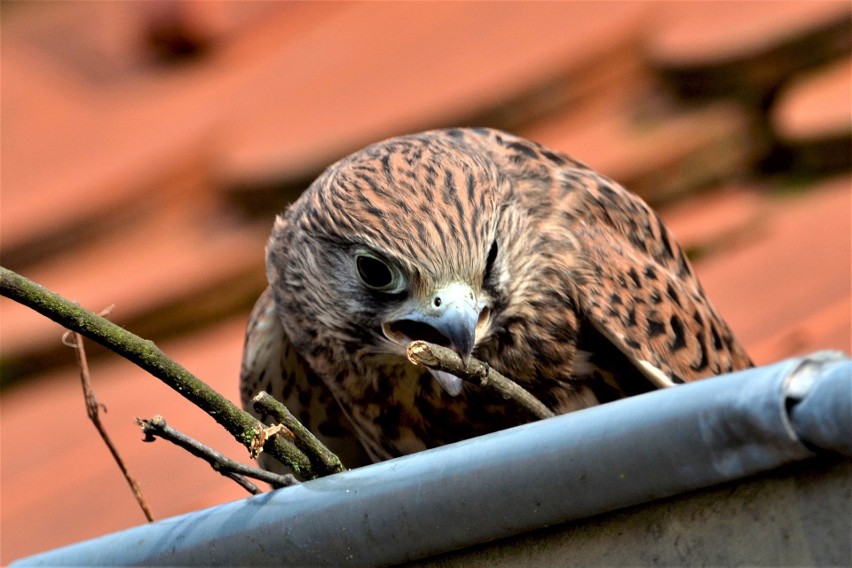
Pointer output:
59, 483
817, 104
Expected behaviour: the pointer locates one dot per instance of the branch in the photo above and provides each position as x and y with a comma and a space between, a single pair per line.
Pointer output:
323, 459
231, 469
93, 410
476, 372
242, 425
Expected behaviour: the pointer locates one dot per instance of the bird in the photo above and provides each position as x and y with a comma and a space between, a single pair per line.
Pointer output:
494, 246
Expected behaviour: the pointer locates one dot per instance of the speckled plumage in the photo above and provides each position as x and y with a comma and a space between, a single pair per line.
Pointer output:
575, 287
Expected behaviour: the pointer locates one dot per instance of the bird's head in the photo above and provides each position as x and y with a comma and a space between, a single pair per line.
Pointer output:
395, 243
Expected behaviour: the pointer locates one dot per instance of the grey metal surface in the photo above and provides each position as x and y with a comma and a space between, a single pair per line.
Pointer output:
570, 467
823, 416
799, 515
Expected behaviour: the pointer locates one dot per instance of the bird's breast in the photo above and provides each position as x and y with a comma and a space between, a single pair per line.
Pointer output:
402, 409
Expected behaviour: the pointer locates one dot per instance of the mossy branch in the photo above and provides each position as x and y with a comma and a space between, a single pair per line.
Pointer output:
324, 461
145, 354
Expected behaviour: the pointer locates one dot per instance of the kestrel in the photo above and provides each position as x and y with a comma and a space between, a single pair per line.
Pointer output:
489, 244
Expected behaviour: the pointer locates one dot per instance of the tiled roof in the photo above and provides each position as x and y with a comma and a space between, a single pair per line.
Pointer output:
147, 175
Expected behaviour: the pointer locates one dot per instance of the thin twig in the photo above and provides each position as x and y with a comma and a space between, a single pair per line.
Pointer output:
231, 469
93, 410
242, 425
323, 459
476, 372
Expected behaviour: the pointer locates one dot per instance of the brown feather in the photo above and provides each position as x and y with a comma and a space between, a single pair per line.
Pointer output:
589, 296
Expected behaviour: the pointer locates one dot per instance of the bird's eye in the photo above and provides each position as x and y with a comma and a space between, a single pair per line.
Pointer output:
489, 263
375, 273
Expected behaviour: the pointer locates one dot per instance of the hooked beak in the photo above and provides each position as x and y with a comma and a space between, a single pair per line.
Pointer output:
449, 319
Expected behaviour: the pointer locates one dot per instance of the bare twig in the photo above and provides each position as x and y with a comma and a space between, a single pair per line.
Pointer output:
242, 425
323, 459
477, 372
231, 469
93, 410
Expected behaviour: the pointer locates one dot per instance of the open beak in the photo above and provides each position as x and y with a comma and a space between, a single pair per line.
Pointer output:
449, 319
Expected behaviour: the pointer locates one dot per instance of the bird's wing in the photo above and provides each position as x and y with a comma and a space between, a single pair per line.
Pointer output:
640, 291
262, 351
271, 363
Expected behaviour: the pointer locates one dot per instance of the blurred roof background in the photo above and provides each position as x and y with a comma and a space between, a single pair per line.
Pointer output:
146, 148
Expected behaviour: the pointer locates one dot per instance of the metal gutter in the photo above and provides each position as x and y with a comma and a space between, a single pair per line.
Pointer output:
569, 467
